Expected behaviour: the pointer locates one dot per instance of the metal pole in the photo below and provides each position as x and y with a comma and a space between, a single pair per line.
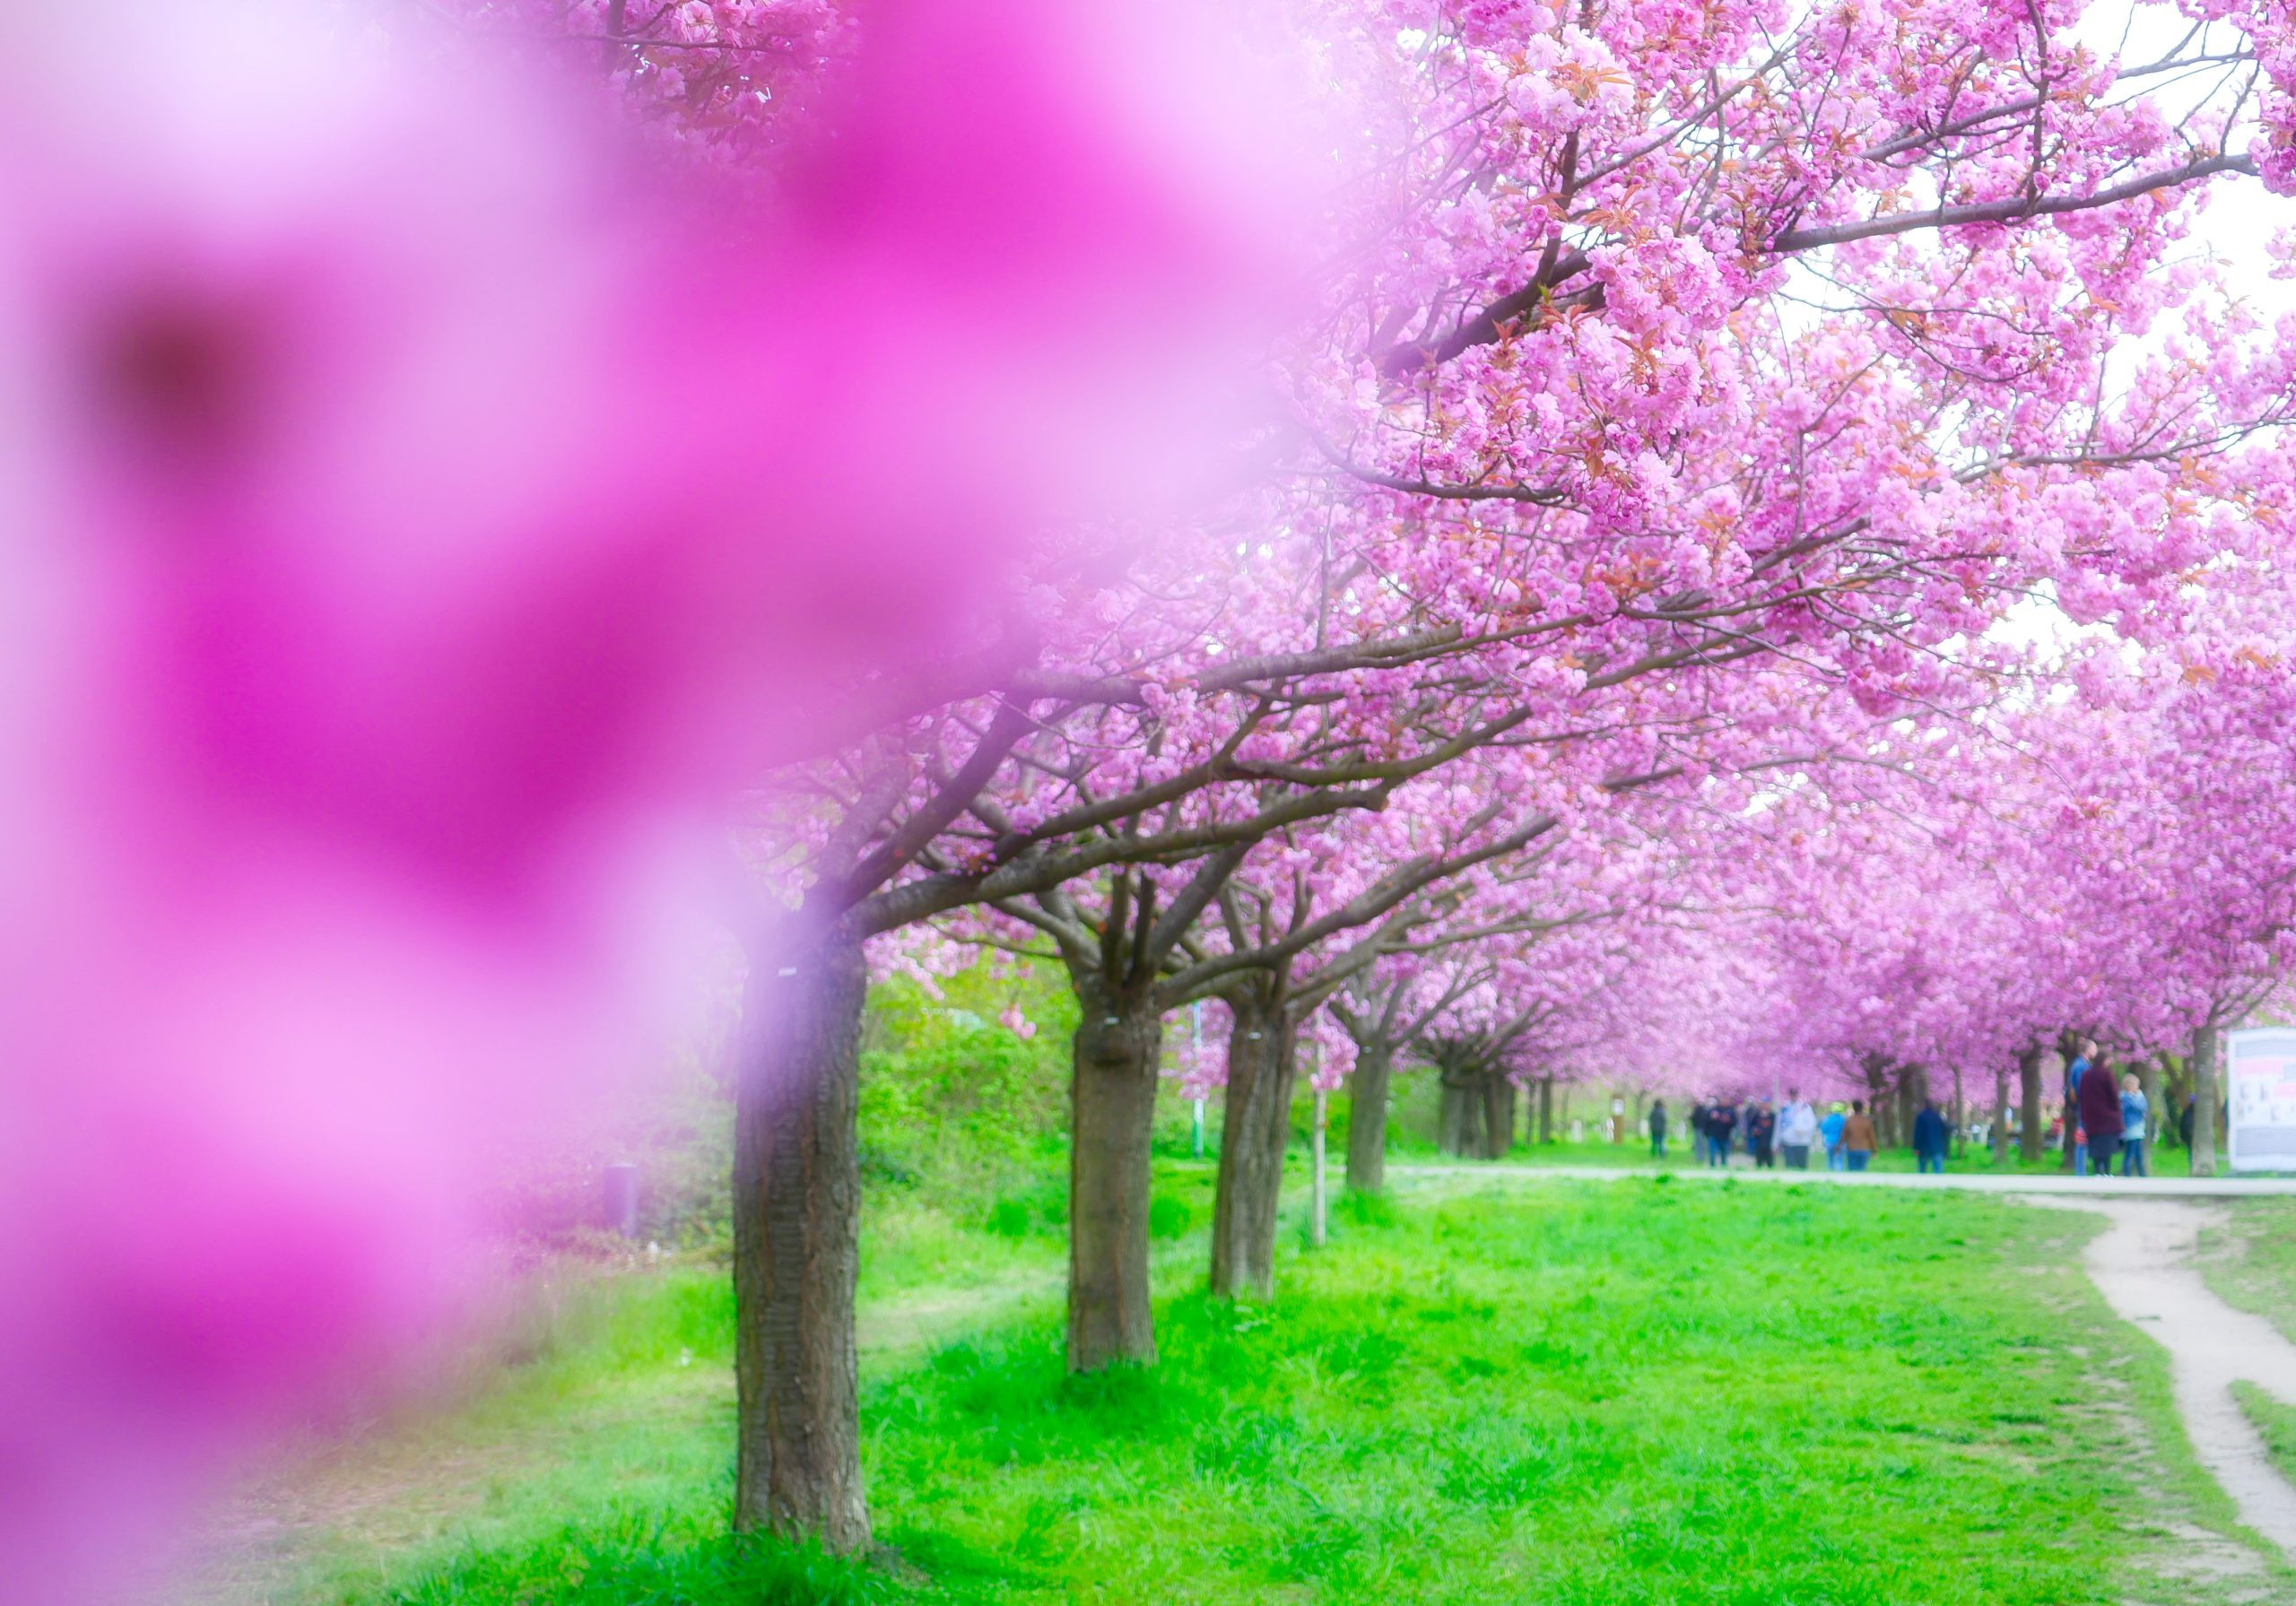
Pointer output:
1315, 1228
1196, 1043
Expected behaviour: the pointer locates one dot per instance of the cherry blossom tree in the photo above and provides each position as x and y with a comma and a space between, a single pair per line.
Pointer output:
427, 510
1673, 370
1673, 348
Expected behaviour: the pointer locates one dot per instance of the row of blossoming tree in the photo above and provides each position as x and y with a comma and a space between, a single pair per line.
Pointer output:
1687, 397
1491, 554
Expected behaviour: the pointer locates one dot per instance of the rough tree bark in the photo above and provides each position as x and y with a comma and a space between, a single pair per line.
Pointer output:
2148, 1079
2204, 1094
2000, 1116
1910, 1095
1459, 1127
1367, 1120
2175, 1083
1112, 1099
1498, 1114
2028, 1093
796, 1240
1258, 1129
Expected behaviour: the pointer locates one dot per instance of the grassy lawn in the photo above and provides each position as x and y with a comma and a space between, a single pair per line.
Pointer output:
1541, 1393
1973, 1159
2276, 1422
2250, 1260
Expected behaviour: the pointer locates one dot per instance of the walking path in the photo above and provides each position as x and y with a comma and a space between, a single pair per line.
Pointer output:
2144, 1266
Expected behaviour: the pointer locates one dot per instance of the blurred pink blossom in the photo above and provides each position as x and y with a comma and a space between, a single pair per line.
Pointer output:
419, 514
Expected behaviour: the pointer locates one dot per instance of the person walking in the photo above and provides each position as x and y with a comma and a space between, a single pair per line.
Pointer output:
2135, 1126
1798, 1129
1697, 1132
1930, 1139
2099, 1109
1658, 1129
1830, 1128
1721, 1122
1762, 1134
1858, 1138
2076, 1135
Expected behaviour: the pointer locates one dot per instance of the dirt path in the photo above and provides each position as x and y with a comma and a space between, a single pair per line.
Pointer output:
2144, 1266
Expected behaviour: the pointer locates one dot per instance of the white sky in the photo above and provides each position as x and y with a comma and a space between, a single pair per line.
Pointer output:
2236, 228
2243, 216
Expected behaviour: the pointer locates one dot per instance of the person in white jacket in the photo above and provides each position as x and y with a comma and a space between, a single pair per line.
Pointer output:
1798, 1129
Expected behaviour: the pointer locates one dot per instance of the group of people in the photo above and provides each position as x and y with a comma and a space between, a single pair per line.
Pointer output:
2111, 1115
1793, 1129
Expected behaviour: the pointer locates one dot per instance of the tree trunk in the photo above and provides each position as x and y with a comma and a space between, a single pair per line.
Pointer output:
1498, 1114
1546, 1110
1112, 1112
1251, 1151
1961, 1113
2000, 1116
1367, 1120
1460, 1132
2204, 1094
797, 1241
2148, 1079
1907, 1102
2029, 1115
2175, 1083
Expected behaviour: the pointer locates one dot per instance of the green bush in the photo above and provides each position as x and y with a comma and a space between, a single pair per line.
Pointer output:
954, 1103
1041, 1207
1365, 1210
956, 1109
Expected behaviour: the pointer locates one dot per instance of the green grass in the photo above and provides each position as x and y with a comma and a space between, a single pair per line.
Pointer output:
2250, 1260
632, 1559
2275, 1421
1636, 1154
1547, 1394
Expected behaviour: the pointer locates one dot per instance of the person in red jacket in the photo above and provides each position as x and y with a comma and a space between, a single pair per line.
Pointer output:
2098, 1098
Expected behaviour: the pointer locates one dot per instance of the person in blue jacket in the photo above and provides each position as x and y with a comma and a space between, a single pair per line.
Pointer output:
2074, 1132
1830, 1128
1930, 1136
2135, 1118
